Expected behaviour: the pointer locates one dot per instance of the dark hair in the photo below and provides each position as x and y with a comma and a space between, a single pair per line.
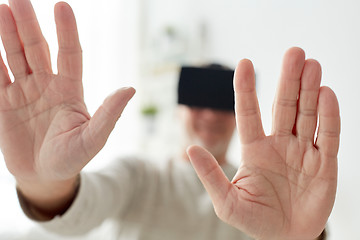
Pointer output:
216, 66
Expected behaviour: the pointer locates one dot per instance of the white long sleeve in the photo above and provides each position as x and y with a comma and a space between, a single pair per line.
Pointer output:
145, 202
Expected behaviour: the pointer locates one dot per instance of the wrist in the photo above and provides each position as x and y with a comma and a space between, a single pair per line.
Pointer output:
322, 235
44, 200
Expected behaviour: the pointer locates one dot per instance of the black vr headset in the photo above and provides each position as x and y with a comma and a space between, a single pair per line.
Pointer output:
207, 87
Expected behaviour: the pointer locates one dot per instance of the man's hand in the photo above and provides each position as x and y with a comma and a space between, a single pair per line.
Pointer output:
286, 184
46, 134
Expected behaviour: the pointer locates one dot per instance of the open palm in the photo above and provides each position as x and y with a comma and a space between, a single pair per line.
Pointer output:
46, 131
286, 184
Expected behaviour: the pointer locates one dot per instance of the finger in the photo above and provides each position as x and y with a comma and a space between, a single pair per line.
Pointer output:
70, 53
309, 92
35, 47
12, 44
4, 76
210, 174
248, 116
328, 137
285, 103
105, 118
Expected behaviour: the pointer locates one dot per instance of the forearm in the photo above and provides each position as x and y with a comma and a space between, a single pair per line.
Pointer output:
44, 201
322, 236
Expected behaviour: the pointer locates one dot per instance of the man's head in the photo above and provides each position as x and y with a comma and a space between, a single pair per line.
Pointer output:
206, 97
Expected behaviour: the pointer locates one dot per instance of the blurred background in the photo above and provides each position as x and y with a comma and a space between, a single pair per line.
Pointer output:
142, 43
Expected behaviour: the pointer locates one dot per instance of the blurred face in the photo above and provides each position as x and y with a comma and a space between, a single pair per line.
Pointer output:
209, 128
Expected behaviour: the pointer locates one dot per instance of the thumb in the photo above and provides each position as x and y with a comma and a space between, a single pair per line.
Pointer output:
211, 175
105, 118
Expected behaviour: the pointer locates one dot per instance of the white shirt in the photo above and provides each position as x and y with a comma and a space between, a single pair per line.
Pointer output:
145, 201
